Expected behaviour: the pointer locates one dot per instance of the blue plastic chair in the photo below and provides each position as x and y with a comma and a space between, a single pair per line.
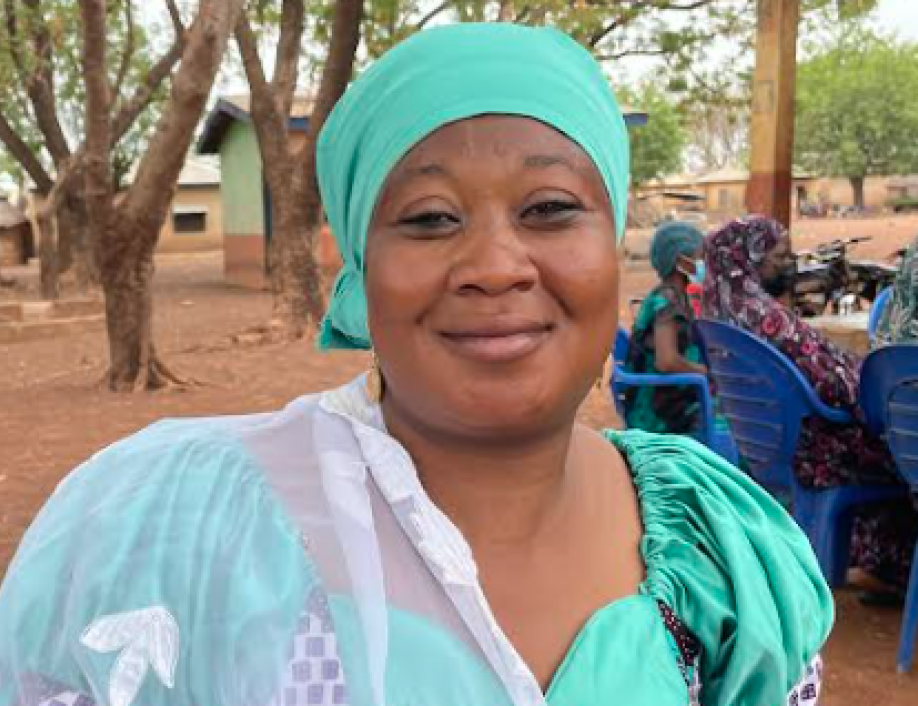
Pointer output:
889, 398
765, 398
718, 441
622, 340
876, 312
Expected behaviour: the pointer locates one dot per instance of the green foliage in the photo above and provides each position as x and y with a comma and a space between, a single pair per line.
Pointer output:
857, 108
658, 146
19, 62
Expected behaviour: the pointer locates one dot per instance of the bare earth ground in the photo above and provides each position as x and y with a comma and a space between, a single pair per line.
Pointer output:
52, 415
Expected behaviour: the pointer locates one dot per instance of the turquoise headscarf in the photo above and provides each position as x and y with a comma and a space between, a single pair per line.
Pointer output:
671, 240
435, 78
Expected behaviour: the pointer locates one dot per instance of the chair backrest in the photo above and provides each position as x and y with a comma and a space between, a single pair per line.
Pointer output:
622, 339
889, 399
763, 396
876, 311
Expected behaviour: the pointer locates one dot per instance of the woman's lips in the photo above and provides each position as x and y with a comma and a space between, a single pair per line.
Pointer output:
497, 344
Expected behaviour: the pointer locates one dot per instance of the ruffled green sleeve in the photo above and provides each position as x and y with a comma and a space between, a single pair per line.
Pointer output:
732, 564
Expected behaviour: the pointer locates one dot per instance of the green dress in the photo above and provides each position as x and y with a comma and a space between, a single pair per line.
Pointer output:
674, 409
294, 559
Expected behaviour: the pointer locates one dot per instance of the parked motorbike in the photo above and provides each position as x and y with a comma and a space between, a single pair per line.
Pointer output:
828, 281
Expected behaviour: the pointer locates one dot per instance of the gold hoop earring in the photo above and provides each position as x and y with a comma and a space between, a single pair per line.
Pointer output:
374, 381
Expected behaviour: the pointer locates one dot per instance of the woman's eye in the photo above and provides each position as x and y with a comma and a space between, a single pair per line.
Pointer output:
553, 211
430, 221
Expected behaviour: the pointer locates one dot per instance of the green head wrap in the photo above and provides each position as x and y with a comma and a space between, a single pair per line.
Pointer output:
435, 78
671, 240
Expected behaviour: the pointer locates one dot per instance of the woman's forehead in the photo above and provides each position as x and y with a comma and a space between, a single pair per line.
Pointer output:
532, 142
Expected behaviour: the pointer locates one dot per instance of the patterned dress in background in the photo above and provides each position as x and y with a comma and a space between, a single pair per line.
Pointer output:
828, 454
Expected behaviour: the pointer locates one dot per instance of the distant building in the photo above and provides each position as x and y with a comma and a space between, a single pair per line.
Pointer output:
195, 221
721, 193
246, 200
17, 244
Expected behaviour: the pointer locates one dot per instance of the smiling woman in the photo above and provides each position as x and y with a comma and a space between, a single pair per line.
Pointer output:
441, 530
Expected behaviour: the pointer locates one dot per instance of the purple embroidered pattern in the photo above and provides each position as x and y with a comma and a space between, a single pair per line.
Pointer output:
314, 676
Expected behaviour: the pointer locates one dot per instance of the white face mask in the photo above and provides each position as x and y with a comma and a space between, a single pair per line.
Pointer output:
696, 277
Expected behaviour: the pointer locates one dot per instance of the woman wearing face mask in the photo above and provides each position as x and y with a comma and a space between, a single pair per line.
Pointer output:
661, 340
750, 265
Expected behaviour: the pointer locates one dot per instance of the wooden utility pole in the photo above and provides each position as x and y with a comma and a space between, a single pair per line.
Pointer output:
772, 136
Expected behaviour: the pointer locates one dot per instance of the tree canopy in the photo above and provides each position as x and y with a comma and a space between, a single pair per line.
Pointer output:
857, 109
658, 146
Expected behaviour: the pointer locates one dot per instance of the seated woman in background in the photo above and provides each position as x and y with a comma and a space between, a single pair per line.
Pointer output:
899, 322
661, 341
750, 265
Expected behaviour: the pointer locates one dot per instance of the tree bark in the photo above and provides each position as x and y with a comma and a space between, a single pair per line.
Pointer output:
296, 211
298, 275
128, 232
48, 269
857, 189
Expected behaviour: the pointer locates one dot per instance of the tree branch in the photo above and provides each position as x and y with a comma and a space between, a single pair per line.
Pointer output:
150, 194
261, 90
430, 16
24, 155
129, 48
12, 29
176, 17
40, 88
286, 63
626, 15
98, 143
601, 34
336, 75
615, 56
162, 69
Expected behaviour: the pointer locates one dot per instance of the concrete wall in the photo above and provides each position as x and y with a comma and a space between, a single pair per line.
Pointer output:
205, 199
242, 194
14, 245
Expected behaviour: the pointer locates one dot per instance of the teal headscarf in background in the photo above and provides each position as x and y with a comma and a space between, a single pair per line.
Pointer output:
671, 240
435, 78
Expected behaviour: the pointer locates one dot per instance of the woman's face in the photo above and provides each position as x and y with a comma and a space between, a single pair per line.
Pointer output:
492, 279
778, 267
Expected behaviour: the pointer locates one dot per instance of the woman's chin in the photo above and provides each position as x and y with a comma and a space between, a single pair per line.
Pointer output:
505, 411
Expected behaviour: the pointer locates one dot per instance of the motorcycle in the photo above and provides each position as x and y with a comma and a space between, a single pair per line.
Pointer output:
827, 281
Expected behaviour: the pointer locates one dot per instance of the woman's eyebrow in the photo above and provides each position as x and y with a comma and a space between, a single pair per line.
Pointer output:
544, 161
423, 170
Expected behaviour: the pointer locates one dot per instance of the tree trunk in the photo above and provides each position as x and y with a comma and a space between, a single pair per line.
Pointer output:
127, 280
857, 187
296, 212
77, 237
335, 77
48, 267
299, 301
126, 232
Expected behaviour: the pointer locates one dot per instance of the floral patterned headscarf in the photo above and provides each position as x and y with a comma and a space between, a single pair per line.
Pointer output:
733, 293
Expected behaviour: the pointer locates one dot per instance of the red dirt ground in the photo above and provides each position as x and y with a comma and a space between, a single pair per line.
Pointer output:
52, 416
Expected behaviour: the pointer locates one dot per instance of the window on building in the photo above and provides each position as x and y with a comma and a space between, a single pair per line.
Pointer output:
189, 220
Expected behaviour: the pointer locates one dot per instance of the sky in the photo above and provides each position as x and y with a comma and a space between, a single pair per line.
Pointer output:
900, 16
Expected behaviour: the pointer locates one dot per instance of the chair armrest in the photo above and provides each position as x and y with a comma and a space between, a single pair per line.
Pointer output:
830, 414
624, 379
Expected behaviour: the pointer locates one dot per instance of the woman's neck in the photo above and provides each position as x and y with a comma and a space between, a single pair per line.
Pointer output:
508, 493
676, 280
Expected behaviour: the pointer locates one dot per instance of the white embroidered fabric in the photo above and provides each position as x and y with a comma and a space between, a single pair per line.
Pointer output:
354, 493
